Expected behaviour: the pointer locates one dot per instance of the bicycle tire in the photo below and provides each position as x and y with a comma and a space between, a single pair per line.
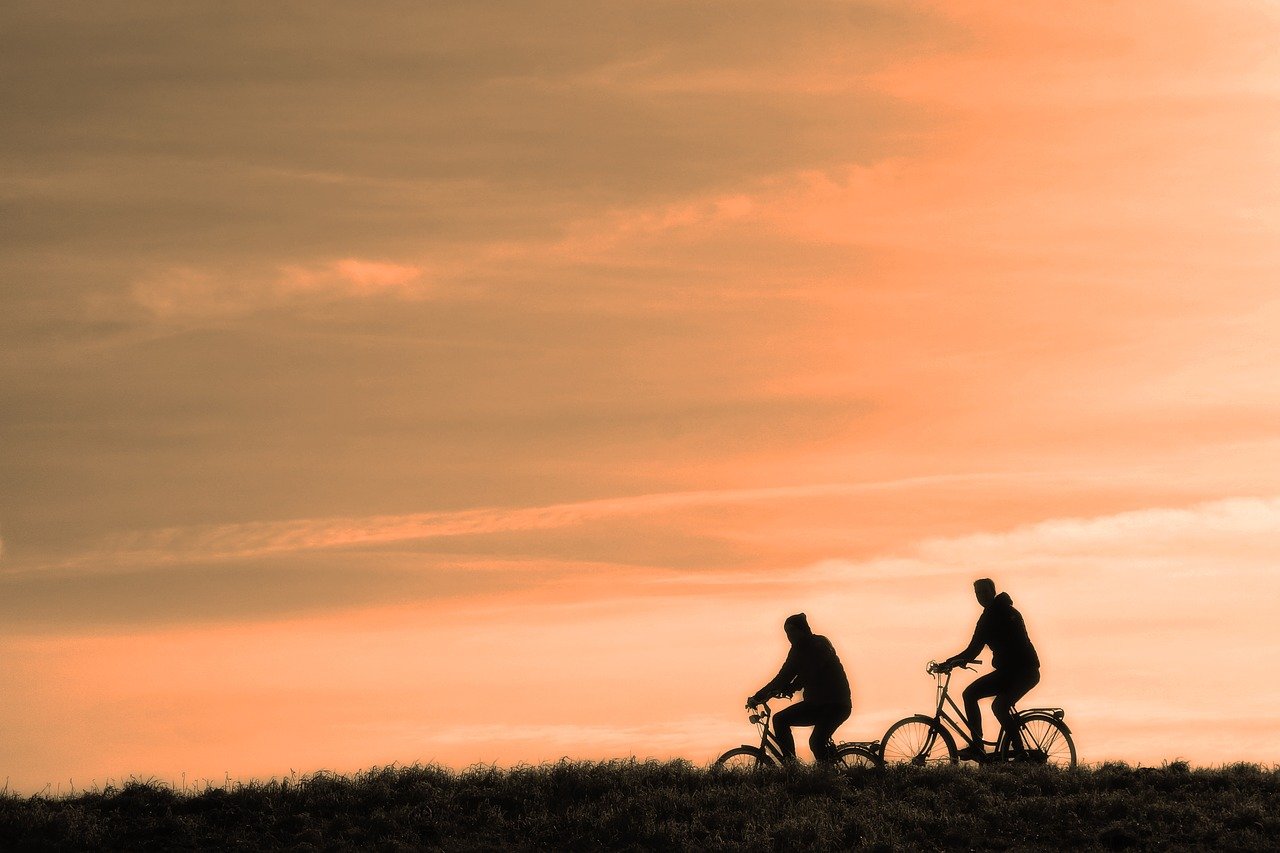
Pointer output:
918, 741
743, 758
849, 757
1045, 740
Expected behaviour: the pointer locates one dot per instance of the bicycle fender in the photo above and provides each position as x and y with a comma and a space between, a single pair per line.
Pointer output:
915, 718
1039, 715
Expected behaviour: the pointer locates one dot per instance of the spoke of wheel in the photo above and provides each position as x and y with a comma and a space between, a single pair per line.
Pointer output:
740, 759
1046, 745
1048, 740
914, 742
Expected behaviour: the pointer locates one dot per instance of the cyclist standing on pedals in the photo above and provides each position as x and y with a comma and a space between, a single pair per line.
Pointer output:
812, 666
1015, 664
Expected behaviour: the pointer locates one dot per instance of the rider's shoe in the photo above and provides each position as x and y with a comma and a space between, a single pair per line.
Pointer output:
972, 753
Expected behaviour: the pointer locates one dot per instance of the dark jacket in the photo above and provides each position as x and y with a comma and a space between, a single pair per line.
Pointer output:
1001, 628
813, 666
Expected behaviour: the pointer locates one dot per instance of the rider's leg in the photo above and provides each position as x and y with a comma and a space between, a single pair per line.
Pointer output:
988, 685
829, 718
1019, 684
799, 714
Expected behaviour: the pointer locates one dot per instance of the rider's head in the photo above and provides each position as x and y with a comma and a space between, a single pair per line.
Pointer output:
985, 590
797, 627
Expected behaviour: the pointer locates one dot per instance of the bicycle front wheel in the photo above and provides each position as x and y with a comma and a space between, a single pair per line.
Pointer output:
743, 758
848, 757
1045, 740
918, 741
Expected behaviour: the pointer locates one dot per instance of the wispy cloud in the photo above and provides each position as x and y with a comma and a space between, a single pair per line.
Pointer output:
1181, 539
241, 541
1243, 528
356, 277
1129, 616
1217, 536
190, 292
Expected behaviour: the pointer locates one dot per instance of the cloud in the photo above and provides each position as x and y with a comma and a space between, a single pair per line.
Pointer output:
248, 591
356, 277
183, 545
1020, 56
1236, 528
588, 654
186, 292
1221, 548
1238, 533
163, 137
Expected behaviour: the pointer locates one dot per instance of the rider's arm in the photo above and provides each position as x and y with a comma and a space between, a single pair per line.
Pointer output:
782, 681
971, 651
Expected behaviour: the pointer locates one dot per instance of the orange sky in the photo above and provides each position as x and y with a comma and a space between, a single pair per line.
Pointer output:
486, 382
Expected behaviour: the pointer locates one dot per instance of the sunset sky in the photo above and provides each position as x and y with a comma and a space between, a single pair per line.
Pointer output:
486, 381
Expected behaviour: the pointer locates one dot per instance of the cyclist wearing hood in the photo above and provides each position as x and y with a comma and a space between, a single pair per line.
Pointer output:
1014, 661
812, 666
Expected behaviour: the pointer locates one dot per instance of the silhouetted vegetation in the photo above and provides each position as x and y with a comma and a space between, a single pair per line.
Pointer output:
628, 805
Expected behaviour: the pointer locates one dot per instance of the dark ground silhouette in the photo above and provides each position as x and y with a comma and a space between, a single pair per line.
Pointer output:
625, 805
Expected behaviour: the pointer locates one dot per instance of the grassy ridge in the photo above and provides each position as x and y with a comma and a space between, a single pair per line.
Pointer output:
627, 805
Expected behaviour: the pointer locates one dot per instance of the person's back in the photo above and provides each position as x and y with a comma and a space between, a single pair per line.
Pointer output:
819, 671
1003, 631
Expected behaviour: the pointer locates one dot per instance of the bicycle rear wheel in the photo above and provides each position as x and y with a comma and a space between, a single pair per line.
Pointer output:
1045, 740
848, 757
919, 741
743, 758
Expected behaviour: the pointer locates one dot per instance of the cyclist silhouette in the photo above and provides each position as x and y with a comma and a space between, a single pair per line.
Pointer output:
1015, 664
812, 666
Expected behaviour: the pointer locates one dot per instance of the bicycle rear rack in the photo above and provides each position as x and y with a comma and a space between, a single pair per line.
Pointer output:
873, 745
1052, 712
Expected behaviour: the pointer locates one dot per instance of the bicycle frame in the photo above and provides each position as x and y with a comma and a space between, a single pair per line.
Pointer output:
941, 716
913, 739
768, 741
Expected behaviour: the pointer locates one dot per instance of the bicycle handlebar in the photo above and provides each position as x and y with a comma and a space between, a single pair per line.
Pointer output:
786, 694
935, 668
760, 712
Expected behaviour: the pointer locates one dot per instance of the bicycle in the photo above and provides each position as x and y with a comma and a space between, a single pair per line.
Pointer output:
847, 754
1043, 736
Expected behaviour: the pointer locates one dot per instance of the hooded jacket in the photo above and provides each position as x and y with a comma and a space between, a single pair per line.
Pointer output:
1001, 628
813, 666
